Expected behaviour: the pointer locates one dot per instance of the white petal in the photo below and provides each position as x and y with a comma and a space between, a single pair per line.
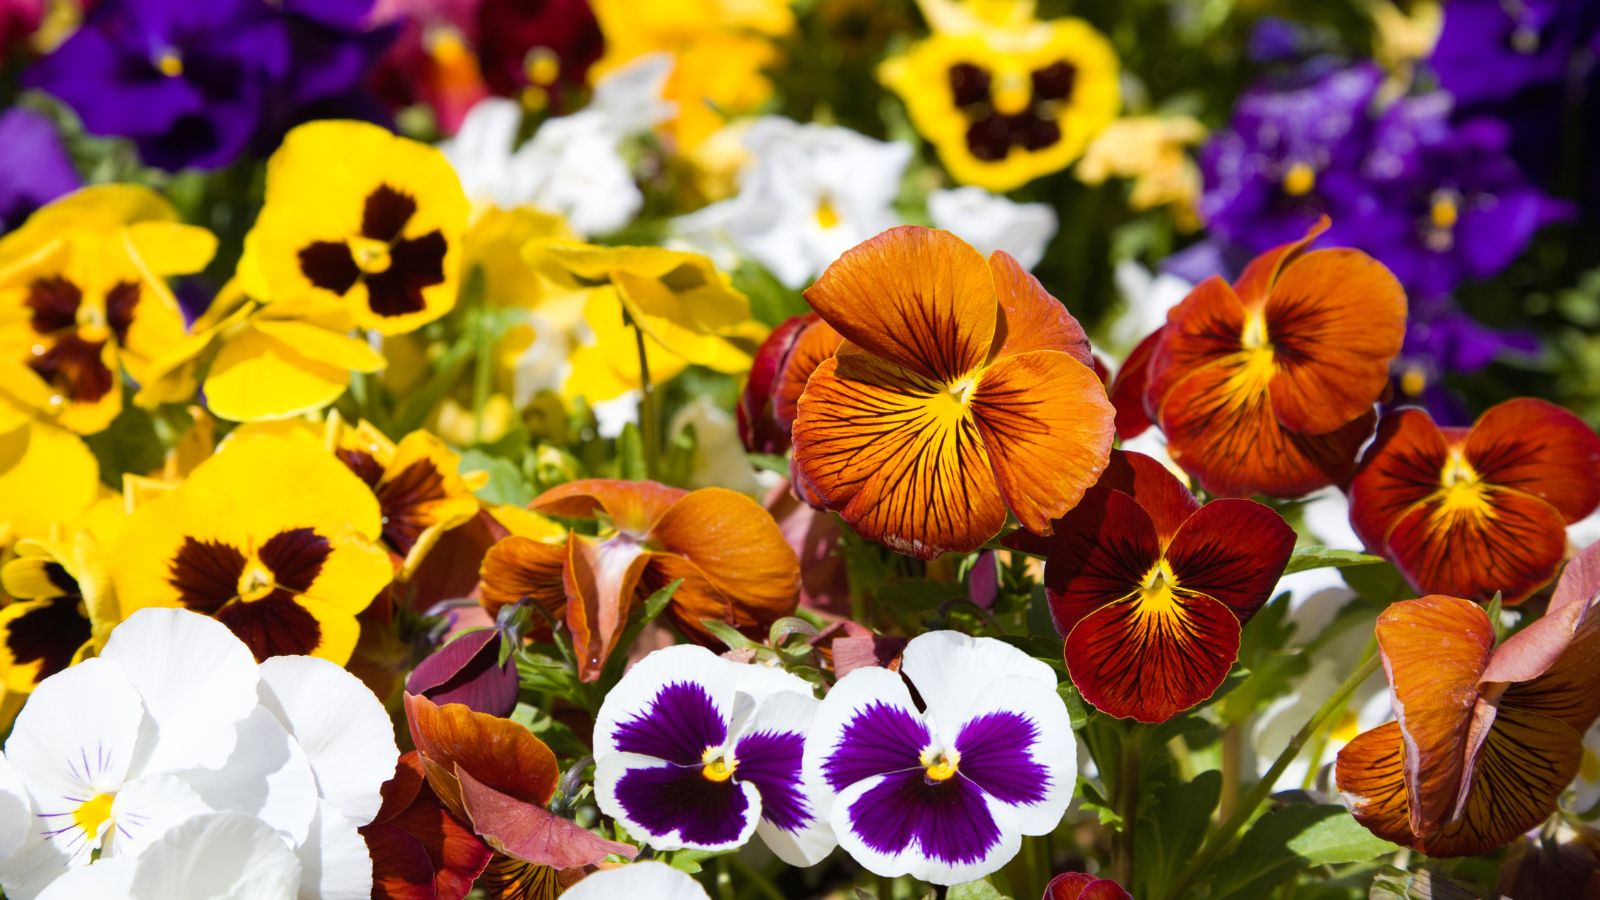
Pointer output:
334, 860
36, 866
808, 844
106, 879
78, 732
480, 152
16, 813
635, 694
762, 681
1055, 748
149, 808
657, 881
991, 222
863, 687
223, 855
911, 860
340, 724
610, 770
268, 777
197, 680
950, 669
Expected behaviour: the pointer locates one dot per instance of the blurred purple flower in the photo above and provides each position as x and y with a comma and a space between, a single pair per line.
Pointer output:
1489, 50
34, 166
1441, 339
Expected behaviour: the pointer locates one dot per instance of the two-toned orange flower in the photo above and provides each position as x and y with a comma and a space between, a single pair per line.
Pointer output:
962, 389
1473, 511
1267, 386
1486, 737
735, 565
1150, 589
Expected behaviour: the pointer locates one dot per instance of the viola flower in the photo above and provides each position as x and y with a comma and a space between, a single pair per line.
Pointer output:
1006, 102
1487, 738
16, 811
699, 752
656, 880
963, 390
778, 377
48, 476
272, 536
1081, 886
1153, 152
83, 296
1489, 51
417, 844
1268, 385
1482, 510
35, 169
356, 214
943, 791
735, 565
990, 222
1150, 589
539, 53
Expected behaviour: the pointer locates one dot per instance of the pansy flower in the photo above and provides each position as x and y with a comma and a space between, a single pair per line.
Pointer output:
48, 475
778, 377
83, 295
358, 214
1486, 738
695, 751
1083, 886
962, 390
734, 562
1005, 102
273, 536
1480, 510
1150, 589
655, 880
1267, 385
942, 790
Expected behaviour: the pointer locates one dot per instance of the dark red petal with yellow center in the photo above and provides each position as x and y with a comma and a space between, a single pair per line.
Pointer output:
897, 455
517, 567
1403, 467
817, 343
1371, 775
1080, 886
1154, 487
1233, 551
632, 506
1100, 553
1256, 282
1047, 425
1150, 658
1434, 651
1129, 388
1335, 318
1478, 542
1030, 318
602, 583
1538, 448
917, 297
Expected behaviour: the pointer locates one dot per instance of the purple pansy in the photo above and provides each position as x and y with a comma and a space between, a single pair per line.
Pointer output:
944, 791
1441, 339
1490, 50
34, 166
696, 751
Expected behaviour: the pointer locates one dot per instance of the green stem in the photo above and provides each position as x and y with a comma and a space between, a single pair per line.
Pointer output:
724, 880
1128, 802
885, 888
649, 411
755, 879
1224, 837
482, 373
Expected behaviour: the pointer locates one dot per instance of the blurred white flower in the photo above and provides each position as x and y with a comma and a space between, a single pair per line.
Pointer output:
1146, 297
719, 457
991, 222
1586, 787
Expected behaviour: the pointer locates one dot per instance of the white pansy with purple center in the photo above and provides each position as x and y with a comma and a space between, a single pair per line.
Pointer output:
696, 751
944, 791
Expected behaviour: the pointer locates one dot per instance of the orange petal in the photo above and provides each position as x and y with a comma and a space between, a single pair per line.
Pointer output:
1232, 551
816, 343
737, 567
602, 582
1099, 554
498, 752
1541, 449
918, 297
1371, 774
633, 506
1503, 540
1030, 318
518, 567
1255, 283
1154, 487
1565, 690
1206, 328
1402, 468
897, 455
1129, 388
1047, 425
1434, 650
1335, 318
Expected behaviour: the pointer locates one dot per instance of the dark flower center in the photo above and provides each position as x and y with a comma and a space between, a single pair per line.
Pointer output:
395, 269
68, 356
51, 633
257, 598
1000, 118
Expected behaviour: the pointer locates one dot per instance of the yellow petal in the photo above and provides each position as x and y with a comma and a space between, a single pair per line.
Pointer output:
47, 475
256, 377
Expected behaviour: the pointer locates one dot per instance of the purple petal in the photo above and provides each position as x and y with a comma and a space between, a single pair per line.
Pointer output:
994, 755
880, 739
770, 760
671, 799
949, 820
467, 671
681, 724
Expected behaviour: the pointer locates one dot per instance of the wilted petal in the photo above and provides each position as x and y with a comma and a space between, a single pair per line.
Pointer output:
530, 832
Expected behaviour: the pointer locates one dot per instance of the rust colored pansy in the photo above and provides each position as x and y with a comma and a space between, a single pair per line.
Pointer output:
735, 565
962, 390
420, 849
1486, 738
1081, 886
1128, 387
1471, 511
1267, 385
1150, 588
778, 377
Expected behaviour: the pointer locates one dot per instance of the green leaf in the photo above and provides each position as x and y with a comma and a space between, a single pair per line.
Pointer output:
1078, 709
1172, 824
1381, 584
447, 370
976, 890
653, 607
1493, 610
506, 484
770, 462
689, 860
1305, 558
630, 454
1290, 840
728, 635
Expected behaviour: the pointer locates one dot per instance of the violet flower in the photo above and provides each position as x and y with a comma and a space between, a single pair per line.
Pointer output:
1490, 50
34, 166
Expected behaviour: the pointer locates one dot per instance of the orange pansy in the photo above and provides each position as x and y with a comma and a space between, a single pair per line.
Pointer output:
735, 565
1267, 385
962, 389
1469, 512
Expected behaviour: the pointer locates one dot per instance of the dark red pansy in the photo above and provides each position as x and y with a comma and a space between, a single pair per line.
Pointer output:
778, 377
1082, 886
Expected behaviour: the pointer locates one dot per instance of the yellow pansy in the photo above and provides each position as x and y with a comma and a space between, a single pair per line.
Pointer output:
1002, 96
687, 311
63, 605
720, 49
47, 476
83, 295
357, 214
273, 536
1153, 151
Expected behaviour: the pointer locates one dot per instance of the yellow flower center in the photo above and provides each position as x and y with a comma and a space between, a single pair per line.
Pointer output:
446, 46
1256, 343
961, 390
1462, 489
542, 66
93, 814
92, 323
169, 63
827, 215
1444, 211
255, 582
717, 767
1156, 589
371, 256
1299, 180
1012, 92
1413, 381
942, 766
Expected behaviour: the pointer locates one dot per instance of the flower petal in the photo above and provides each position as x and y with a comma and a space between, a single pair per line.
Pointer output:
267, 776
530, 832
1128, 388
770, 755
1402, 468
866, 726
1205, 328
952, 671
1030, 318
1538, 448
1100, 553
915, 297
255, 377
602, 582
219, 855
15, 810
1079, 886
1260, 275
467, 671
1135, 659
1371, 775
1505, 541
672, 705
941, 832
1017, 745
1232, 551
633, 506
671, 807
655, 880
517, 567
815, 344
335, 863
498, 752
1153, 486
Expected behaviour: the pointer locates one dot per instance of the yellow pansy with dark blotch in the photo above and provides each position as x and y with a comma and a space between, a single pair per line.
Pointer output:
356, 213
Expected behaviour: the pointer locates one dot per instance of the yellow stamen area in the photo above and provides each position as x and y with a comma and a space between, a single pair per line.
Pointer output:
1461, 488
93, 814
717, 767
1257, 364
960, 391
542, 66
371, 256
169, 63
1012, 92
255, 582
447, 47
1444, 212
1413, 381
92, 323
942, 767
827, 215
1299, 180
1156, 589
534, 98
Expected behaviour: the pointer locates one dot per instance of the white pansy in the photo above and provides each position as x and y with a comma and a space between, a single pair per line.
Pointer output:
991, 222
16, 812
655, 880
1146, 298
719, 457
209, 857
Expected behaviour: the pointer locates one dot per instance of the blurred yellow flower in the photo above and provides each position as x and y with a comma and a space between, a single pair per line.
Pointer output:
83, 295
1002, 96
1153, 151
